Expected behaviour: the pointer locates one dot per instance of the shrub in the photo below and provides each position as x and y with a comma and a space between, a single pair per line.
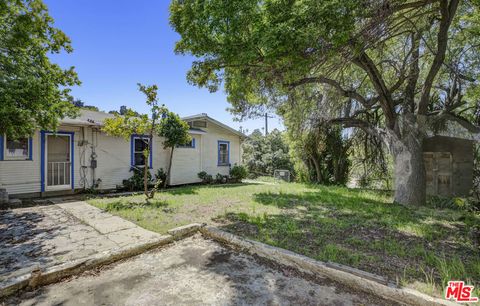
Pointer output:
160, 176
135, 182
220, 178
238, 173
205, 177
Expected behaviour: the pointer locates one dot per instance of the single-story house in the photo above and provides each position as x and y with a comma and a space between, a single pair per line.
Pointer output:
80, 156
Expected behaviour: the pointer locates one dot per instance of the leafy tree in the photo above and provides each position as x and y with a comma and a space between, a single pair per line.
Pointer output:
133, 123
123, 110
34, 91
80, 104
263, 154
322, 152
411, 64
175, 132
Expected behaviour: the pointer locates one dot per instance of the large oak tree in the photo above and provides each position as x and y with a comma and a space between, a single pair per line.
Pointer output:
412, 65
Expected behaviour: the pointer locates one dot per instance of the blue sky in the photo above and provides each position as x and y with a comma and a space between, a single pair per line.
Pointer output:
120, 43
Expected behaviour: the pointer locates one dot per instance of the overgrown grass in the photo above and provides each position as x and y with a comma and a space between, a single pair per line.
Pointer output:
417, 247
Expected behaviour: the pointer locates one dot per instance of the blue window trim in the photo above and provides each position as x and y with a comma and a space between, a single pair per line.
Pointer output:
228, 151
30, 148
42, 156
187, 146
132, 150
2, 148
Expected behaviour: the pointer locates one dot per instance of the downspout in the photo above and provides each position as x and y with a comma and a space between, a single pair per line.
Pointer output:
83, 175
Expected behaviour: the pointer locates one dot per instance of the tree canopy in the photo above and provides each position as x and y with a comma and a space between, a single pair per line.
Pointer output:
264, 154
34, 92
395, 69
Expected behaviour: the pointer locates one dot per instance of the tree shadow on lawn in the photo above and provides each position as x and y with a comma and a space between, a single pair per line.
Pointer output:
193, 189
231, 185
365, 231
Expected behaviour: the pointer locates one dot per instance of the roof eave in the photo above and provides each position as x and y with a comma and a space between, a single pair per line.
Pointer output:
215, 122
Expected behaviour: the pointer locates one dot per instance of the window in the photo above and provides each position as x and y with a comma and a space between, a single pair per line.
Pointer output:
198, 124
17, 149
223, 153
139, 144
188, 145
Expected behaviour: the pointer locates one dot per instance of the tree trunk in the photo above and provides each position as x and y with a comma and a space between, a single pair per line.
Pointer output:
318, 171
167, 179
409, 171
145, 175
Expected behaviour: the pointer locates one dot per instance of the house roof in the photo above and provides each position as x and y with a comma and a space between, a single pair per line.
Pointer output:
196, 131
207, 117
93, 118
87, 117
456, 130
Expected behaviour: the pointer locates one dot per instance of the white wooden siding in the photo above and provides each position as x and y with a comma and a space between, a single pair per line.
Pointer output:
210, 149
114, 158
22, 176
186, 163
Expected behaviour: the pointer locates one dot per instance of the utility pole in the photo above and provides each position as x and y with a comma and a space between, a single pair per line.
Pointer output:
266, 123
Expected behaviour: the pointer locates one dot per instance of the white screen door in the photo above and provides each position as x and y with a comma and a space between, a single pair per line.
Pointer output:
58, 162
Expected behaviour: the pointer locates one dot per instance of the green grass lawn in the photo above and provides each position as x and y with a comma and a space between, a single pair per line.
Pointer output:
421, 248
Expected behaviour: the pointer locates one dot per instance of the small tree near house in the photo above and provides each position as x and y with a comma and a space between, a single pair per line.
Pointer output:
175, 132
131, 123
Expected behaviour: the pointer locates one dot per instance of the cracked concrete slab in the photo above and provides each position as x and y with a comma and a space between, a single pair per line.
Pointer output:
48, 236
127, 236
194, 271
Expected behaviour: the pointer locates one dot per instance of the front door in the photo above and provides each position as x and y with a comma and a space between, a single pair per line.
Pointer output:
58, 160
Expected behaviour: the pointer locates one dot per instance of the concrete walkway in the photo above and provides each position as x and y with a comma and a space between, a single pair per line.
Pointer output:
194, 271
48, 236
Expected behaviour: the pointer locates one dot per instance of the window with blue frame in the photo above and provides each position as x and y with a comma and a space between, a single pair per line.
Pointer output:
16, 149
188, 145
139, 144
223, 153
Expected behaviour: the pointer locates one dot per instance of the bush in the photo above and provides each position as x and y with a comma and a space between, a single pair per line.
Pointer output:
160, 176
467, 204
135, 182
205, 177
221, 179
238, 173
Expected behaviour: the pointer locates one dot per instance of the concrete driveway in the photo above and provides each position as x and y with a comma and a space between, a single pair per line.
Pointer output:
46, 236
194, 271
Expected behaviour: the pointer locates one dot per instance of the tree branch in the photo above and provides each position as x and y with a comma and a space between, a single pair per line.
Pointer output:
349, 93
463, 122
386, 101
357, 123
414, 72
412, 5
448, 11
